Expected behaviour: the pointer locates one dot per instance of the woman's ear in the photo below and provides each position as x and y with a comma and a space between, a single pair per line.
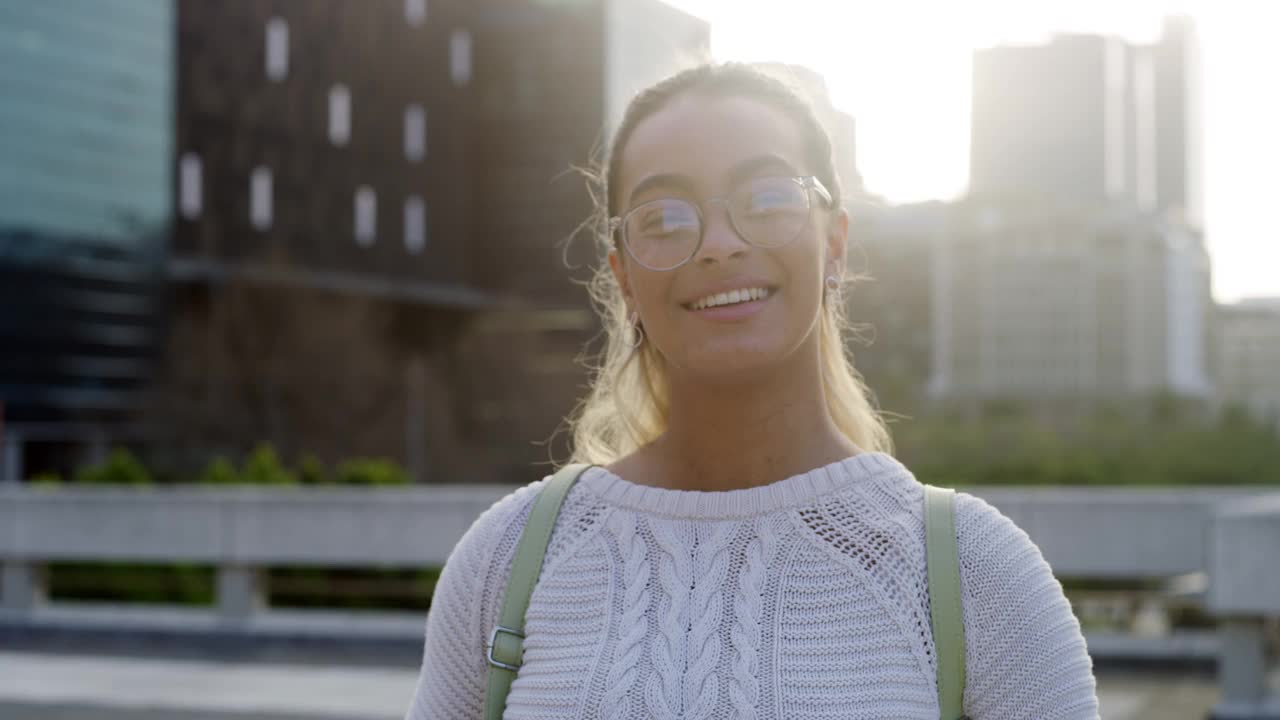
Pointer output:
618, 265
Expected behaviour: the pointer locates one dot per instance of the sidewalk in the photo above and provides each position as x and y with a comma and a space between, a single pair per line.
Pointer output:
137, 689
36, 686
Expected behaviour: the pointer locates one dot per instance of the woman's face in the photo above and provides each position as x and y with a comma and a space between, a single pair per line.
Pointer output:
699, 147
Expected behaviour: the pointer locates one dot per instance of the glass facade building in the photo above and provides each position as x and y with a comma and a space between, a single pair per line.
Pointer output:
86, 177
86, 121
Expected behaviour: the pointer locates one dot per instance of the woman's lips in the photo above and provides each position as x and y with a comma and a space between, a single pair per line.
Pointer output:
734, 312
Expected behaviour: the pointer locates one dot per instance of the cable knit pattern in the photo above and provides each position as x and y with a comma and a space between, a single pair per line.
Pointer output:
632, 624
803, 599
744, 688
664, 693
711, 566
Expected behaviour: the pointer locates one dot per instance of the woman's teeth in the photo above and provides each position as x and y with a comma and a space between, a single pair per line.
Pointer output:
730, 298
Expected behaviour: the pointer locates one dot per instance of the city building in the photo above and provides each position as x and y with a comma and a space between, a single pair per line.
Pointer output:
1088, 119
398, 204
1179, 123
1075, 269
551, 79
1248, 364
352, 221
1046, 304
889, 301
86, 148
322, 261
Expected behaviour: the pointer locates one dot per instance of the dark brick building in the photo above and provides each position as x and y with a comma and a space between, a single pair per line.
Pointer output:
373, 205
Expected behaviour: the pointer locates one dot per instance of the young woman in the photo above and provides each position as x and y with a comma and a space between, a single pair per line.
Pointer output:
745, 546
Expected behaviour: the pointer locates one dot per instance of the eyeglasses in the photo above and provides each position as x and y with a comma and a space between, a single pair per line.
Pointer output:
766, 212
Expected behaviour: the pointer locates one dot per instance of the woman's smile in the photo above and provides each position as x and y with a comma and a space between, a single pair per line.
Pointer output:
731, 306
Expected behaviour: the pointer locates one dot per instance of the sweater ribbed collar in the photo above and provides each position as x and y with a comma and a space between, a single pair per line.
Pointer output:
787, 493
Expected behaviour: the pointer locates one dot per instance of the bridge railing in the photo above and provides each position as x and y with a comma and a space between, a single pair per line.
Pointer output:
1230, 536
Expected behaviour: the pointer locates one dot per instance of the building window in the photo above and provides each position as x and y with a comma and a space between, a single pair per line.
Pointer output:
339, 115
277, 48
366, 215
460, 57
415, 133
190, 186
260, 198
415, 224
415, 12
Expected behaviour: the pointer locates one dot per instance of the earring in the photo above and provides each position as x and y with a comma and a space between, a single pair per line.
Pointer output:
637, 332
833, 285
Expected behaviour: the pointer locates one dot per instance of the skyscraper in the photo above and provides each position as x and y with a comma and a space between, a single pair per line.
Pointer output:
1076, 269
86, 148
1090, 119
1179, 100
1040, 119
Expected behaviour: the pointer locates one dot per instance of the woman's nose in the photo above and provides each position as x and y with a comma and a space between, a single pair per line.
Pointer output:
720, 240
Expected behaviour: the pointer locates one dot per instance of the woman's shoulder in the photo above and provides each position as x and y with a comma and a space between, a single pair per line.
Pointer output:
491, 539
497, 526
1022, 641
996, 555
982, 529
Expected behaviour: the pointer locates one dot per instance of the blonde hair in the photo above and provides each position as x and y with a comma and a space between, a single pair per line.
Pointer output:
627, 405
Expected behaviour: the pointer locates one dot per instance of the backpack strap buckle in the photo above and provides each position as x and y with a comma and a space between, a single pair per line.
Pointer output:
510, 650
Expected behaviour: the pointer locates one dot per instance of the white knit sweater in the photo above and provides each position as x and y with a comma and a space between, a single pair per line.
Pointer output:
805, 598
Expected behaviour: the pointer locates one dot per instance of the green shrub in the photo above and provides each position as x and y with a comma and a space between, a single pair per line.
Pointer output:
120, 468
220, 471
313, 472
45, 479
263, 467
1167, 447
371, 472
177, 583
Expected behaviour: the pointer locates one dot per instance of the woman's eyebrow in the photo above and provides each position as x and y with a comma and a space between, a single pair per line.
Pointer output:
752, 165
744, 170
662, 180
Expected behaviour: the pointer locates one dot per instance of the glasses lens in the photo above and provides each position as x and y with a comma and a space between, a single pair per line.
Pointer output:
770, 212
663, 233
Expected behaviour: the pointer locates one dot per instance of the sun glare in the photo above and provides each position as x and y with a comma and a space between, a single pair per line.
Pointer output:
903, 70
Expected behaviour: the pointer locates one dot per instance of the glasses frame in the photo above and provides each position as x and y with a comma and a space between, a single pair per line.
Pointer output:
806, 182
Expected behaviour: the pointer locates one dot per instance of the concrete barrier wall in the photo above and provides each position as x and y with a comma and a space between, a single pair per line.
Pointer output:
1244, 558
1083, 532
252, 526
1117, 532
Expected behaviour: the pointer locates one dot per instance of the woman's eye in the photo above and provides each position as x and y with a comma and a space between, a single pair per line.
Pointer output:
668, 220
654, 226
767, 201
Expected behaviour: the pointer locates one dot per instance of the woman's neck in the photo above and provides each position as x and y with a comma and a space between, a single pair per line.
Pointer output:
733, 436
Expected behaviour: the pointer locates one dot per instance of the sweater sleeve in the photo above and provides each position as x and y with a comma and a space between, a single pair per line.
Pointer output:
464, 607
1025, 656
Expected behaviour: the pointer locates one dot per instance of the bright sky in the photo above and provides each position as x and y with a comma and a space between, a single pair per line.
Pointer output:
903, 70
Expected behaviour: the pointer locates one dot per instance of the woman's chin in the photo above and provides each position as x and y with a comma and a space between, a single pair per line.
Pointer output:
731, 362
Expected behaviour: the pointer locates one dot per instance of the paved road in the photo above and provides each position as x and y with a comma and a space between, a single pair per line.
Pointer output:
37, 686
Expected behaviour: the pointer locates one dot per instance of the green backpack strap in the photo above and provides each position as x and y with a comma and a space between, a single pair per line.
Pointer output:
943, 561
506, 641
